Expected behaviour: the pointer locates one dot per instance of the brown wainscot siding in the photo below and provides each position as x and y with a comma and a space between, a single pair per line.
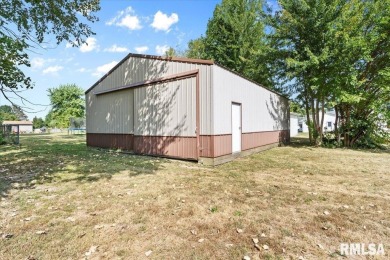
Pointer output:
115, 141
257, 139
212, 146
170, 146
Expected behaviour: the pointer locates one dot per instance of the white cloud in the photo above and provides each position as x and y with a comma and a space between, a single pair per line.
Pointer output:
141, 49
69, 59
120, 15
37, 63
126, 18
68, 45
116, 48
101, 70
81, 69
160, 50
52, 69
89, 45
131, 22
163, 22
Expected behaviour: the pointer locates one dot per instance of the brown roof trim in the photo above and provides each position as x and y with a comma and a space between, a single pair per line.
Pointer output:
254, 82
178, 59
177, 76
143, 56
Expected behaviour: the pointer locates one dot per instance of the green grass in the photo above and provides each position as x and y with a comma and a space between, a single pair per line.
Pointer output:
127, 204
47, 158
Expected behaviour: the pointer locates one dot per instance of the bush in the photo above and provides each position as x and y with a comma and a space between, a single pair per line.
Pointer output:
329, 140
2, 140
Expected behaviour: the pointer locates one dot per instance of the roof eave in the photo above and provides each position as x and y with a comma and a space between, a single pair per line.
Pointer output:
174, 59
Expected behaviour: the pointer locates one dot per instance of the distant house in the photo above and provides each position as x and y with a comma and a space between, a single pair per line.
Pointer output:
23, 127
183, 108
294, 123
329, 120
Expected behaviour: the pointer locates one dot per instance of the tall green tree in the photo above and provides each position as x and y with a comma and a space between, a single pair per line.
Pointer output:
361, 69
302, 35
336, 54
235, 38
25, 24
197, 49
6, 113
38, 122
66, 101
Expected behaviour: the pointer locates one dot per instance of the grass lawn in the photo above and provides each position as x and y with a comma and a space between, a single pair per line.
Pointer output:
62, 200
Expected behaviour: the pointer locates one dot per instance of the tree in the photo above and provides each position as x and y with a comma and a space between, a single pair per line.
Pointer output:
6, 113
302, 35
197, 49
66, 101
235, 38
25, 24
335, 53
19, 113
362, 70
38, 122
296, 108
171, 52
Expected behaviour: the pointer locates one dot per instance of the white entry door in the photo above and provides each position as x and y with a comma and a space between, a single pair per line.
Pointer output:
236, 128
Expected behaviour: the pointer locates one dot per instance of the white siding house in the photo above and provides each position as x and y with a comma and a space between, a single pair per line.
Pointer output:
294, 125
24, 127
329, 121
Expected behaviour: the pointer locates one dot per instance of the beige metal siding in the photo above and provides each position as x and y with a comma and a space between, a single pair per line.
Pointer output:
262, 110
167, 109
137, 69
110, 113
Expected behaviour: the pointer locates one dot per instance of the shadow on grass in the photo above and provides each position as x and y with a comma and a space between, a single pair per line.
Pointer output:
63, 158
300, 141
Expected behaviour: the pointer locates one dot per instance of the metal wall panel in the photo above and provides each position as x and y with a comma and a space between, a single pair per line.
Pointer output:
167, 109
253, 140
113, 141
137, 69
215, 145
183, 147
110, 113
262, 110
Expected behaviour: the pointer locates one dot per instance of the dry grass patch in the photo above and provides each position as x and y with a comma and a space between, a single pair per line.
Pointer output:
102, 204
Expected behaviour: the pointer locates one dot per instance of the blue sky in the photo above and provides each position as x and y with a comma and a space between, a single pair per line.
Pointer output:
136, 26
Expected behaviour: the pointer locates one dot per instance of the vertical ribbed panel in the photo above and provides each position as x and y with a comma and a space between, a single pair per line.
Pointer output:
215, 145
111, 113
114, 141
222, 145
137, 69
171, 146
253, 140
167, 109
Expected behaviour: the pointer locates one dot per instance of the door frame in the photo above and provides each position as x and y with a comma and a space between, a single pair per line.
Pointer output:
231, 112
